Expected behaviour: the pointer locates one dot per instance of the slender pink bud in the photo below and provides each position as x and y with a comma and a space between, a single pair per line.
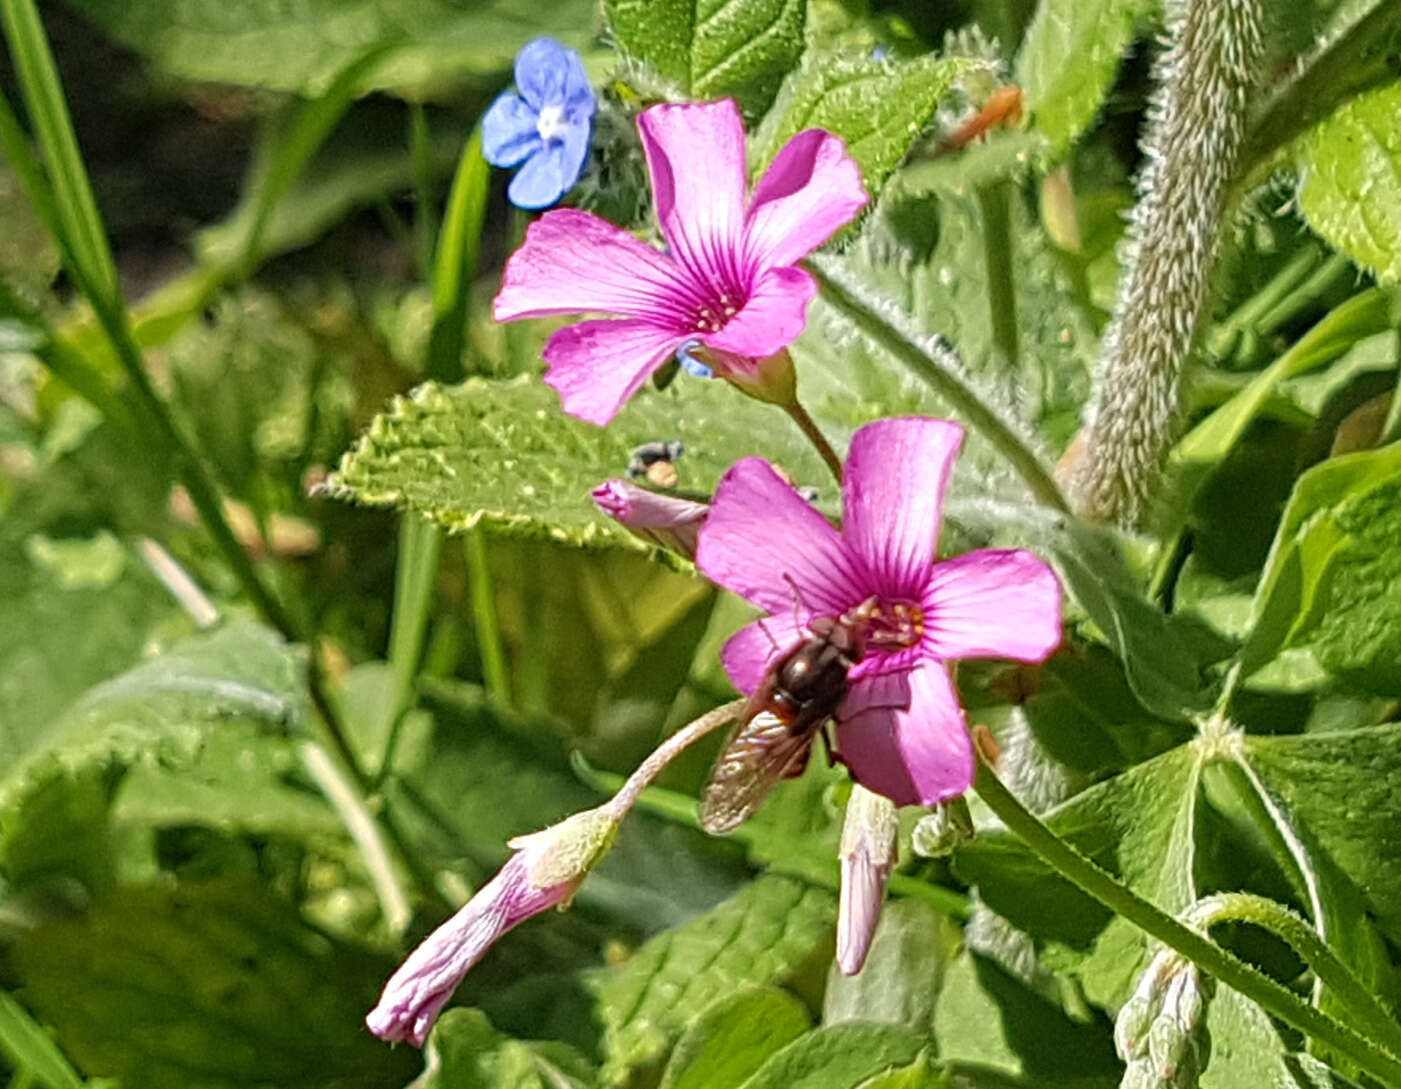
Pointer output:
663, 519
544, 872
868, 853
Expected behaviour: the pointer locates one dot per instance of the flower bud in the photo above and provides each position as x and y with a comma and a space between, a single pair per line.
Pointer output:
665, 520
868, 853
937, 834
544, 872
1156, 1028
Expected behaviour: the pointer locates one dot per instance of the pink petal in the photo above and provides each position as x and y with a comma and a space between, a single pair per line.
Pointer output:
774, 316
573, 262
764, 541
811, 190
919, 756
417, 992
993, 603
896, 474
695, 154
598, 365
750, 652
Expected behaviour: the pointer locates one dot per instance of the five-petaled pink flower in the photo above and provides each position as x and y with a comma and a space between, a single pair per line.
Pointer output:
901, 729
729, 281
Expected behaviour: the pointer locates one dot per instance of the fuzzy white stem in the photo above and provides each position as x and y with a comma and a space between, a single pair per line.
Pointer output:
1195, 133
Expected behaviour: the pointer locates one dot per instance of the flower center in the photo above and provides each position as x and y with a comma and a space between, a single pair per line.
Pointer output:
551, 124
891, 625
711, 316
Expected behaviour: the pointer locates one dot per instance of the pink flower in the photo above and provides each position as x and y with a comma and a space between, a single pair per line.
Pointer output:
728, 283
901, 730
667, 520
544, 872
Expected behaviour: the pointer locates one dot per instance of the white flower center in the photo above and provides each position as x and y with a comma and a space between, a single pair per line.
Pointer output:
551, 124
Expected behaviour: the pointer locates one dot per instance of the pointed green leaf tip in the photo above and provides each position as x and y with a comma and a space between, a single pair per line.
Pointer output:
713, 49
880, 108
1352, 181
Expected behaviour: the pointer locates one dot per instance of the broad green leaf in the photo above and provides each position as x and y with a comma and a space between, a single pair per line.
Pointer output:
712, 49
1336, 791
1140, 826
211, 986
880, 108
1352, 181
467, 1052
301, 45
767, 933
503, 453
987, 1016
1068, 60
1330, 581
161, 712
1246, 1050
903, 972
734, 1037
840, 1057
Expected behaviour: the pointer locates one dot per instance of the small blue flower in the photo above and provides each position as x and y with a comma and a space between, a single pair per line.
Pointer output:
696, 368
545, 124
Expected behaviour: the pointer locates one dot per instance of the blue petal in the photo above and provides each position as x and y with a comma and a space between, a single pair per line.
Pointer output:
579, 98
574, 152
543, 71
541, 181
690, 364
509, 133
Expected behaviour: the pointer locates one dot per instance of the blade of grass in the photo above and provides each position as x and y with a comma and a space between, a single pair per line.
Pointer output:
416, 569
456, 261
30, 1050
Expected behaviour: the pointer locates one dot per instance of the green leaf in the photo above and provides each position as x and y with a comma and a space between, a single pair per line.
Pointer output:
1246, 1051
880, 108
160, 712
1141, 827
903, 972
839, 1057
301, 45
467, 1052
504, 454
1336, 792
713, 49
1069, 58
1330, 580
766, 933
210, 986
987, 1016
1352, 181
734, 1037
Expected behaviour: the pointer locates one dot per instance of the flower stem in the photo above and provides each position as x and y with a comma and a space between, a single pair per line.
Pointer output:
1228, 968
944, 379
1363, 1007
668, 751
495, 674
809, 427
993, 200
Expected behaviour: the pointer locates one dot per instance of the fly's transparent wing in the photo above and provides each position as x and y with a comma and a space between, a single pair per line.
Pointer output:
763, 752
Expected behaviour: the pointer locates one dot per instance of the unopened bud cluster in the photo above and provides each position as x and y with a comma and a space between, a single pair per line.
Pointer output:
1156, 1031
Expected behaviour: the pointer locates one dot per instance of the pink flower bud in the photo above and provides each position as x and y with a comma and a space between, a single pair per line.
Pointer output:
868, 855
663, 519
544, 872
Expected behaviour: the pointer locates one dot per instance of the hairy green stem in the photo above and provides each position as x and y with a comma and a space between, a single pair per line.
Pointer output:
1225, 966
1197, 128
994, 202
942, 376
814, 435
1295, 931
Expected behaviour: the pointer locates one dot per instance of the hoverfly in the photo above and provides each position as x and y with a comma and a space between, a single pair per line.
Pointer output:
799, 695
